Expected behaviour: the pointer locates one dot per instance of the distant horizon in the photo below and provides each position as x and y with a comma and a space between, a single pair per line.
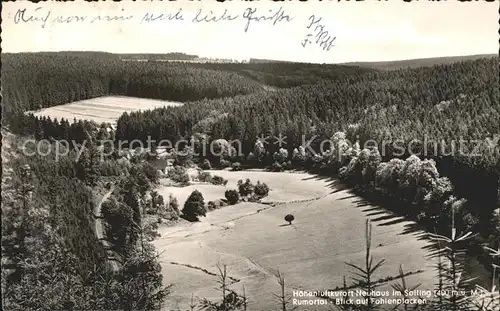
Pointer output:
479, 55
370, 31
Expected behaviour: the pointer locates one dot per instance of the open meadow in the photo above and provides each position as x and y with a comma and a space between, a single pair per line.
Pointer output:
102, 109
253, 241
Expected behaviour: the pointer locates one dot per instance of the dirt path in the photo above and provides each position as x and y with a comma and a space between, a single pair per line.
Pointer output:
99, 232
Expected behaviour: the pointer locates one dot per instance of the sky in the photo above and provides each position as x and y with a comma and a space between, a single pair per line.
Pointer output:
363, 31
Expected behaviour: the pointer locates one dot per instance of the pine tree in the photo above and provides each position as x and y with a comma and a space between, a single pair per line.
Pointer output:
365, 279
454, 285
194, 206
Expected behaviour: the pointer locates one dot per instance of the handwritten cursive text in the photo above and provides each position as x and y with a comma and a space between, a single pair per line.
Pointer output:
211, 17
318, 34
22, 17
152, 17
250, 15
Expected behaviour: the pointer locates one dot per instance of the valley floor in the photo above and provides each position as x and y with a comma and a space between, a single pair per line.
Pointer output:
253, 240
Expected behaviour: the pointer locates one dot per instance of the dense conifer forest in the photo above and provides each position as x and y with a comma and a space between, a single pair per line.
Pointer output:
427, 108
35, 81
51, 257
421, 62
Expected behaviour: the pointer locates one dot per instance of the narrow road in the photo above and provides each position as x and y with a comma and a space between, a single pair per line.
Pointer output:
99, 232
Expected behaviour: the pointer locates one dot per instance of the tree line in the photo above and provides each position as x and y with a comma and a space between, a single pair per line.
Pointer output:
33, 81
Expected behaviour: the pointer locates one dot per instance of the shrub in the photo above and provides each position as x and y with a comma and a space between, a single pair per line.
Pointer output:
299, 155
184, 157
495, 225
178, 174
236, 166
218, 180
211, 205
245, 188
251, 157
225, 163
151, 172
261, 189
276, 167
281, 155
139, 179
206, 165
259, 151
421, 216
289, 218
205, 177
287, 165
119, 217
254, 198
157, 203
194, 206
172, 210
232, 196
221, 147
343, 171
470, 221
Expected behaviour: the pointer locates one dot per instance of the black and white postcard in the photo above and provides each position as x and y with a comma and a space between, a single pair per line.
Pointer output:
250, 155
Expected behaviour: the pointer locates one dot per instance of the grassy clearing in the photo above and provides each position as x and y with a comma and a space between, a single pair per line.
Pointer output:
254, 240
102, 109
285, 187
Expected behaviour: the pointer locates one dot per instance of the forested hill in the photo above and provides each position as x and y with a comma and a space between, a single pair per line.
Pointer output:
53, 257
99, 54
33, 81
419, 62
158, 56
262, 60
404, 103
440, 104
288, 74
